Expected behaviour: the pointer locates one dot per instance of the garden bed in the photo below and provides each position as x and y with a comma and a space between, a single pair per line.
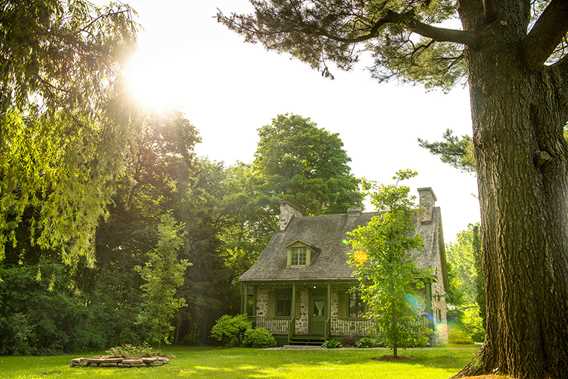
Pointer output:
110, 361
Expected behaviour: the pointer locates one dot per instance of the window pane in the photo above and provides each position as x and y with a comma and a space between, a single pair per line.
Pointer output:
299, 256
283, 302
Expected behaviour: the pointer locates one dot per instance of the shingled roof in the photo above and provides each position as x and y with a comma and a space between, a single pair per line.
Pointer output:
327, 234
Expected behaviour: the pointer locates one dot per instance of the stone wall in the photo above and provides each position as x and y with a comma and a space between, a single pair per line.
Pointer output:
262, 302
302, 310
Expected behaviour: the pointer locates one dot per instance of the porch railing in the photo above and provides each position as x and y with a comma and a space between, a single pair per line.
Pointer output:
353, 327
276, 326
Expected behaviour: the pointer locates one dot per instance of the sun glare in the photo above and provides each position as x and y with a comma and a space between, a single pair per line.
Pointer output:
154, 81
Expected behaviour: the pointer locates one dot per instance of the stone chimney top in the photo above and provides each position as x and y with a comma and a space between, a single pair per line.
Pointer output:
427, 201
287, 213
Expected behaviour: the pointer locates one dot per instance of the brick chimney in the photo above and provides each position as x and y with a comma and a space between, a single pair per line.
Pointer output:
287, 213
427, 201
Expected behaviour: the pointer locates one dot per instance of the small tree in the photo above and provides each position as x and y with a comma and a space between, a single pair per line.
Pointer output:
385, 268
162, 274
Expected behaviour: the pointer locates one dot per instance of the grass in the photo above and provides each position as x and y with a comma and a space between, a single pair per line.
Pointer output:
191, 362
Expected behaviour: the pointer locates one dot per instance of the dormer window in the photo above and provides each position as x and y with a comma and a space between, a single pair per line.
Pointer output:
299, 254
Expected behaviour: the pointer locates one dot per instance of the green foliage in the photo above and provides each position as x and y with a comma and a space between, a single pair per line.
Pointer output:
40, 315
305, 165
366, 342
465, 282
230, 330
250, 222
331, 343
318, 32
162, 274
388, 276
259, 337
457, 335
133, 351
454, 150
61, 128
458, 151
473, 323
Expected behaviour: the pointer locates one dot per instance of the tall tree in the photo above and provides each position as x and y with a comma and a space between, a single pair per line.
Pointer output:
162, 274
515, 60
61, 129
306, 165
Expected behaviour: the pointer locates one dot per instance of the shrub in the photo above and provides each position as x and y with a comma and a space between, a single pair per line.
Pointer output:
421, 338
259, 337
473, 324
457, 335
230, 330
331, 343
133, 351
366, 342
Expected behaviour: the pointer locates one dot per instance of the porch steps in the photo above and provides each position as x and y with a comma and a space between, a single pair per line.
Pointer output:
307, 340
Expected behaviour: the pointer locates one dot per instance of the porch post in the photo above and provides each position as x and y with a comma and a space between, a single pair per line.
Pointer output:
293, 310
292, 322
328, 322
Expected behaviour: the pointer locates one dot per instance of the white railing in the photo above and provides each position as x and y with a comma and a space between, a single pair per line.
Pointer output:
276, 326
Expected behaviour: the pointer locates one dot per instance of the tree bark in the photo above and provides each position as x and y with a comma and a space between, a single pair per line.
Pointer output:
522, 172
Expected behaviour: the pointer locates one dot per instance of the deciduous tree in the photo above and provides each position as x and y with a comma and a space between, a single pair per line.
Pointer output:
384, 264
305, 164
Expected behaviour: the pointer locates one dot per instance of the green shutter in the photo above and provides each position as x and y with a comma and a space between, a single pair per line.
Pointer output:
308, 256
289, 262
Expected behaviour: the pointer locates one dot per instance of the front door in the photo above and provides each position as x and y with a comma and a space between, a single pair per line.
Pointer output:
318, 312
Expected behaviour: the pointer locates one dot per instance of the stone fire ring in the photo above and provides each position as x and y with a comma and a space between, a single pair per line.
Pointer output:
108, 361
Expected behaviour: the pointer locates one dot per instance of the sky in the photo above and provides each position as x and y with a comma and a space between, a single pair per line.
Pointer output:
186, 61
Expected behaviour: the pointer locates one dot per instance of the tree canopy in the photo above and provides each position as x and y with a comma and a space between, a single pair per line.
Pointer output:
307, 165
403, 38
382, 257
61, 125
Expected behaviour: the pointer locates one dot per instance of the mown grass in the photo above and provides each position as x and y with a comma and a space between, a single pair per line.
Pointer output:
427, 363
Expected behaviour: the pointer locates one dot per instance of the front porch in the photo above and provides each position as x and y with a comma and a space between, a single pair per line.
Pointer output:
306, 311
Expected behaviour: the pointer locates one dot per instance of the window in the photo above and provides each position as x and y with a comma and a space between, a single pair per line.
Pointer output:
299, 255
355, 306
283, 302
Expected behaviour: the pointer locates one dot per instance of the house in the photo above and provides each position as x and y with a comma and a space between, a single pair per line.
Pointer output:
300, 288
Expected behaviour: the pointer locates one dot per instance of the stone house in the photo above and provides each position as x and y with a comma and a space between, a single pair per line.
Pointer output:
303, 290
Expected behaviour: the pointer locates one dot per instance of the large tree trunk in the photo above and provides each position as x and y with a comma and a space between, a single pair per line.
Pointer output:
523, 188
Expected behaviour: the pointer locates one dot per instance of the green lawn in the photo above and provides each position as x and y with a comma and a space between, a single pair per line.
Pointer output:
428, 363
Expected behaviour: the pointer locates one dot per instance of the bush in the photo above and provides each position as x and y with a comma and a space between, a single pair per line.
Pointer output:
456, 335
133, 351
366, 342
331, 343
259, 337
230, 330
473, 324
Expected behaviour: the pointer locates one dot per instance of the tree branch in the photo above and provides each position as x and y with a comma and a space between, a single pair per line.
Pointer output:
406, 19
435, 33
443, 34
547, 33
